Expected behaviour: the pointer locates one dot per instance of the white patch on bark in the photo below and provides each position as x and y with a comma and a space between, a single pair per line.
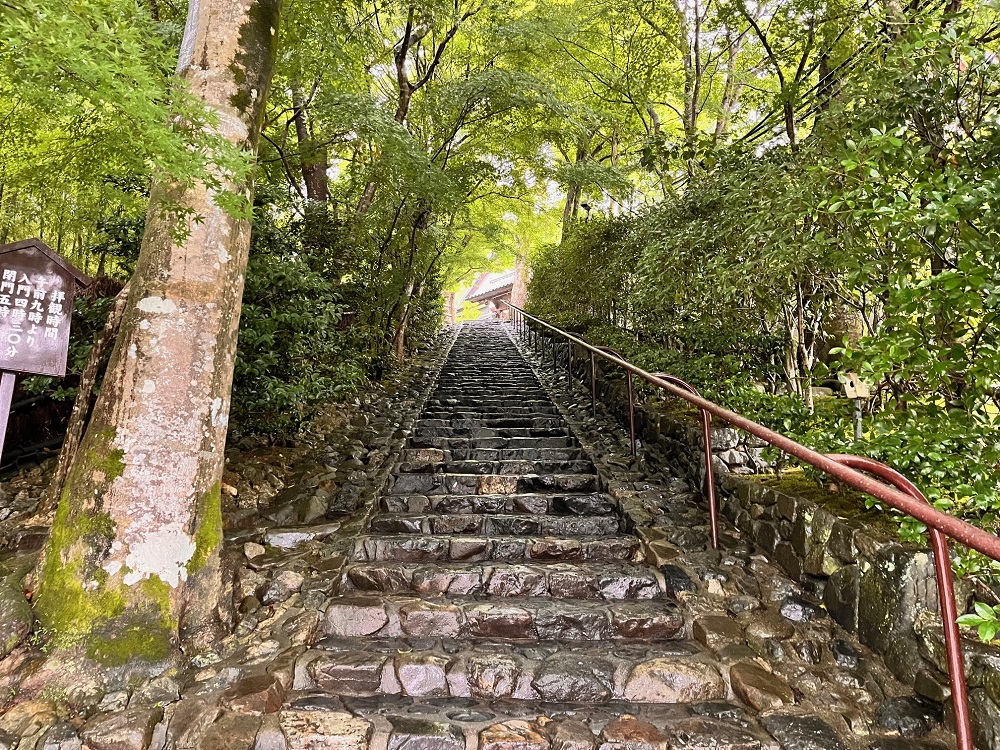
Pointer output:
186, 53
112, 567
148, 386
218, 414
232, 126
157, 305
132, 351
163, 551
143, 325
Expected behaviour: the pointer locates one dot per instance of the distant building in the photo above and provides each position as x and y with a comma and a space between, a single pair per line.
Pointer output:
492, 290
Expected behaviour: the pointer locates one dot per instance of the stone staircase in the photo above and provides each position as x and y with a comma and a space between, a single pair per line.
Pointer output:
496, 600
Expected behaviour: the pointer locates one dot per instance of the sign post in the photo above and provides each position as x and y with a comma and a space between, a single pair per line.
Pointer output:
855, 388
37, 287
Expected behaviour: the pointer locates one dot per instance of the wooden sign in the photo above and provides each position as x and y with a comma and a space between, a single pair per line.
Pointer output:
36, 305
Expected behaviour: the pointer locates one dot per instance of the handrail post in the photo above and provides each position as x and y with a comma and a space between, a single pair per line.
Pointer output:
706, 435
946, 596
706, 428
952, 640
569, 365
593, 384
631, 411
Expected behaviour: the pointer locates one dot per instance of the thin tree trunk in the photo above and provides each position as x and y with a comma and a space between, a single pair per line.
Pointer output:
399, 342
132, 564
81, 406
805, 352
574, 191
312, 158
731, 91
570, 208
399, 335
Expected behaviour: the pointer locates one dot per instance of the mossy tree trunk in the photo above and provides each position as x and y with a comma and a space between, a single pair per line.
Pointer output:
133, 559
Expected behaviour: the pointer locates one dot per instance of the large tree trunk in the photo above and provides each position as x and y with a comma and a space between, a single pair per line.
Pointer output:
133, 560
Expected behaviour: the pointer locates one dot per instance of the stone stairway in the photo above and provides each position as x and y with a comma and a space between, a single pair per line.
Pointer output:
495, 599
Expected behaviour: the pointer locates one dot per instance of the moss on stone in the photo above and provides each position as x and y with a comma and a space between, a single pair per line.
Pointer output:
208, 531
158, 593
674, 407
844, 502
126, 644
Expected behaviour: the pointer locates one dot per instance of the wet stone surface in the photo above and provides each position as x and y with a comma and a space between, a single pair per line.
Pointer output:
471, 559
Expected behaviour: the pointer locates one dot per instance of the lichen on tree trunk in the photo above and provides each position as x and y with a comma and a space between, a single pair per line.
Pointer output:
133, 559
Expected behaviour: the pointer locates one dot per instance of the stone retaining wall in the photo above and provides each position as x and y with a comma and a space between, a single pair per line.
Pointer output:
872, 585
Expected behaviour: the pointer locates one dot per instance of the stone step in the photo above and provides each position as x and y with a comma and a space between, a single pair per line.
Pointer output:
467, 443
493, 397
420, 548
621, 582
498, 421
496, 397
525, 620
501, 524
438, 455
490, 384
320, 717
491, 484
542, 671
504, 468
526, 403
576, 504
478, 410
478, 433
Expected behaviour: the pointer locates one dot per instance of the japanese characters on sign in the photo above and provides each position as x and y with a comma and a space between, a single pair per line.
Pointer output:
25, 303
36, 305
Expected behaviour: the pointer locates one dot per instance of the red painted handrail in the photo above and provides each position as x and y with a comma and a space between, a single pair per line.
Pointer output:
706, 436
895, 490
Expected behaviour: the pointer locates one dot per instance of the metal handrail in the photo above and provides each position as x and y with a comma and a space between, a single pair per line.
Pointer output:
895, 490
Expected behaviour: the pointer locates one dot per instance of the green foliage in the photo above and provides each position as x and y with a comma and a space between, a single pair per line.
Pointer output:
91, 109
585, 280
986, 620
293, 351
871, 245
